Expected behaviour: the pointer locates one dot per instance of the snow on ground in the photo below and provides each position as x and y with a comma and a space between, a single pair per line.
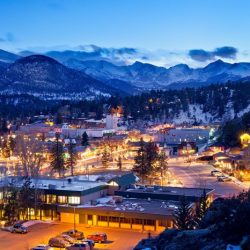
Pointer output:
33, 222
242, 112
195, 111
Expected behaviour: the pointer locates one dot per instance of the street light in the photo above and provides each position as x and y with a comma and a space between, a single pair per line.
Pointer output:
74, 209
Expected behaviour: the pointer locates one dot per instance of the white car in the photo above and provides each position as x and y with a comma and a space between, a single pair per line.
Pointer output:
216, 173
224, 179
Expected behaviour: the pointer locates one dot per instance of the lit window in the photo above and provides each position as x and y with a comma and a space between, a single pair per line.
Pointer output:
51, 199
74, 200
62, 199
1, 195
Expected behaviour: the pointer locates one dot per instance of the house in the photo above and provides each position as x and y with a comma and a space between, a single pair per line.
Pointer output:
123, 182
187, 148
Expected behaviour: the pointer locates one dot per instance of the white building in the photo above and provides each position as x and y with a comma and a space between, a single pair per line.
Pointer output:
111, 122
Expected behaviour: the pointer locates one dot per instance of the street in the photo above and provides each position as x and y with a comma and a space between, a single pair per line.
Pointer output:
199, 175
118, 239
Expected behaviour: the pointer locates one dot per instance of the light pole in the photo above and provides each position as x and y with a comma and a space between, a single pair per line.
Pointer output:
74, 218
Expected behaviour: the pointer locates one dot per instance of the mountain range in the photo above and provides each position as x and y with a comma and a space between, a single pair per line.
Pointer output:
89, 74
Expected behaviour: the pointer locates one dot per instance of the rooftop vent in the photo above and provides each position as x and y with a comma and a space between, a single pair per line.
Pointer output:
51, 186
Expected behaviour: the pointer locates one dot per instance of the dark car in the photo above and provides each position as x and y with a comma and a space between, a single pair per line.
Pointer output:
41, 247
75, 234
91, 243
78, 246
98, 237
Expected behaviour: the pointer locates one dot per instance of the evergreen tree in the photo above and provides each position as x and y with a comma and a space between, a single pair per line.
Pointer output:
183, 218
10, 208
152, 157
85, 139
105, 157
201, 207
6, 149
12, 144
58, 118
162, 165
26, 198
4, 129
119, 163
141, 166
72, 159
57, 163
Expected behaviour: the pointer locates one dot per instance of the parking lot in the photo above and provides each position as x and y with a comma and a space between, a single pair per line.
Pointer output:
41, 233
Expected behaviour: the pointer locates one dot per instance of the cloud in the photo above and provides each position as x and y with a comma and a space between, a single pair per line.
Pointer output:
121, 55
201, 55
8, 38
226, 52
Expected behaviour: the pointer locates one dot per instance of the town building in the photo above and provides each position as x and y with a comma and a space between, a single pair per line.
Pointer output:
117, 203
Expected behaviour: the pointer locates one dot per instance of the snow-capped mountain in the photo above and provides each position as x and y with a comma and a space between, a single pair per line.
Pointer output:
148, 76
41, 74
138, 76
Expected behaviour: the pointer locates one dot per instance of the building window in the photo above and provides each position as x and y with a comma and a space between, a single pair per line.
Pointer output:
1, 195
149, 222
51, 199
114, 219
62, 199
74, 200
102, 218
124, 220
137, 221
90, 217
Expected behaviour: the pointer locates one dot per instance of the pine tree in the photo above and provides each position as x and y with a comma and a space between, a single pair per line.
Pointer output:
141, 166
4, 129
26, 198
85, 139
119, 163
105, 157
57, 163
72, 159
201, 207
183, 218
6, 148
151, 157
10, 208
12, 144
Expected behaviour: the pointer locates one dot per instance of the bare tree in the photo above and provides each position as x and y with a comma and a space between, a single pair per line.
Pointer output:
30, 150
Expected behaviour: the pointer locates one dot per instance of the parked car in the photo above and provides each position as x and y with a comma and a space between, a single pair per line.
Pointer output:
41, 247
75, 234
224, 179
98, 237
19, 229
78, 246
215, 173
58, 242
67, 238
91, 243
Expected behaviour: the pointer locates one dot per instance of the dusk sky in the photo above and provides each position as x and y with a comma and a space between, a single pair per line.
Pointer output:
165, 32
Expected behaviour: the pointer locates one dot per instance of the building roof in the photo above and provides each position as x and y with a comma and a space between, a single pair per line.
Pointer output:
66, 184
130, 206
165, 193
124, 180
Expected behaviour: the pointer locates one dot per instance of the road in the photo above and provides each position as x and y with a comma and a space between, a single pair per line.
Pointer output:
198, 175
118, 239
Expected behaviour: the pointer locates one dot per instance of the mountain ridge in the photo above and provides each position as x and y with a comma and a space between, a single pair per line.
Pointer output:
141, 76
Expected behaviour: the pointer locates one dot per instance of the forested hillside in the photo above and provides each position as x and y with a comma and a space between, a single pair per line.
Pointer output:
206, 104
